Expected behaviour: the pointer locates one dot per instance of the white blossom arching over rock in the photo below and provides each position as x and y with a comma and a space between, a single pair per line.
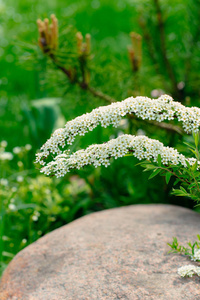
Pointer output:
141, 147
163, 108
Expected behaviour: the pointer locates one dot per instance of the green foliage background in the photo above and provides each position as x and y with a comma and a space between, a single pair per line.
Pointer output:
35, 98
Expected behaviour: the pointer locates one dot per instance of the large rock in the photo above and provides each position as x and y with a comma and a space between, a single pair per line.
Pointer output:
114, 254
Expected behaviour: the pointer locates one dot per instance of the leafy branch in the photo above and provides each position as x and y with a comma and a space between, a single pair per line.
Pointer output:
189, 177
177, 248
48, 43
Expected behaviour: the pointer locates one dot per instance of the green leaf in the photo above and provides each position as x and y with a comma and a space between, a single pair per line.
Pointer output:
193, 247
176, 181
7, 254
179, 193
168, 176
162, 173
192, 185
190, 146
197, 174
143, 163
188, 165
182, 189
150, 167
159, 160
196, 138
155, 172
194, 152
194, 167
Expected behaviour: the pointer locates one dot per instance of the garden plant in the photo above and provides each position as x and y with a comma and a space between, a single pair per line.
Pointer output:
76, 63
162, 160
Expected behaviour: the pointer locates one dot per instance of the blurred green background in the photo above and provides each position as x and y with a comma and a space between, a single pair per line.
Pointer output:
36, 98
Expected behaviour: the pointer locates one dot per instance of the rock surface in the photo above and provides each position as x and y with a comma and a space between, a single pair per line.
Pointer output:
115, 254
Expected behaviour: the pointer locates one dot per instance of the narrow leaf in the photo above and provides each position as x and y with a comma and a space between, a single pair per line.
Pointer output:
155, 172
194, 167
183, 189
190, 146
196, 138
176, 181
168, 176
159, 160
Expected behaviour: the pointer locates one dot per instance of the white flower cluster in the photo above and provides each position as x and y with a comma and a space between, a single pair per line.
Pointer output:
3, 181
189, 270
196, 256
141, 147
6, 156
163, 108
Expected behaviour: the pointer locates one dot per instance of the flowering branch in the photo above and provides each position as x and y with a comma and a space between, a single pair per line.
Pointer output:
141, 147
193, 252
163, 108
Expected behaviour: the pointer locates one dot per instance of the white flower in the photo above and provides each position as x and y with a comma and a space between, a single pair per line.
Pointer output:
4, 181
163, 108
124, 123
189, 270
20, 164
196, 255
20, 178
4, 144
141, 132
141, 147
156, 93
17, 150
28, 147
12, 206
6, 156
35, 218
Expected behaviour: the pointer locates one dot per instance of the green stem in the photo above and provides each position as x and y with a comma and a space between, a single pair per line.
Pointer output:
196, 182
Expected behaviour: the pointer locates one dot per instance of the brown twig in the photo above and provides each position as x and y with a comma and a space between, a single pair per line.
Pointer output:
71, 74
107, 98
169, 127
100, 95
166, 126
82, 85
64, 70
